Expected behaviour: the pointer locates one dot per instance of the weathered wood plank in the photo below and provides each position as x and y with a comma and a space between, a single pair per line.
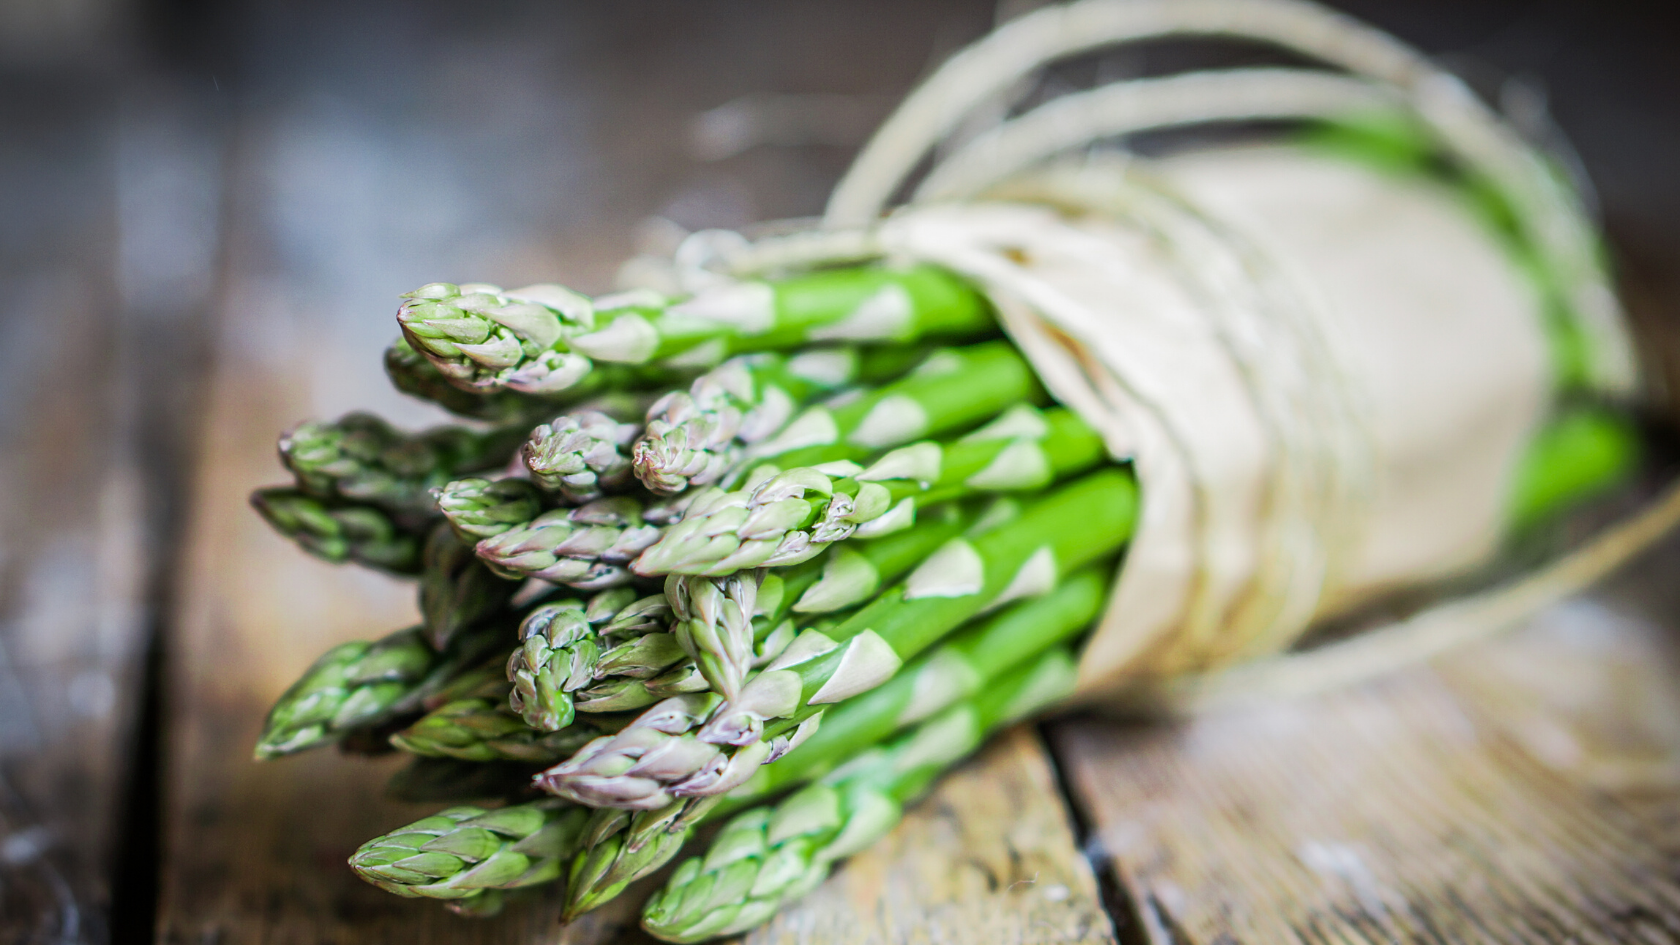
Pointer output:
107, 239
1519, 791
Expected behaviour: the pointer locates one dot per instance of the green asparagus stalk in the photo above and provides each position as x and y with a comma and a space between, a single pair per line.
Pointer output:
792, 515
479, 508
586, 547
642, 670
341, 530
957, 669
546, 339
579, 455
484, 729
1074, 525
621, 848
415, 375
350, 685
950, 390
768, 857
696, 745
460, 852
695, 436
363, 458
457, 590
558, 654
362, 684
714, 625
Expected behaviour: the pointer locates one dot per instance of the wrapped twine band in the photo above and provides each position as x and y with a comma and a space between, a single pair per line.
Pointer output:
1255, 581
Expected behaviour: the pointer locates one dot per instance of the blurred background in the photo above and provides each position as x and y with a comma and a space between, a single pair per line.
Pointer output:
182, 179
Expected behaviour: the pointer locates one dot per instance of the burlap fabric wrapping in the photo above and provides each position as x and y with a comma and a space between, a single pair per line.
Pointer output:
1323, 374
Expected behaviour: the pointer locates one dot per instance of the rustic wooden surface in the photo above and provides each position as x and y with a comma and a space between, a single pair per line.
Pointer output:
1522, 790
259, 196
92, 415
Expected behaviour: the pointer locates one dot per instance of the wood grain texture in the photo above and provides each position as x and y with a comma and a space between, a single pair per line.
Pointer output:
90, 433
1515, 792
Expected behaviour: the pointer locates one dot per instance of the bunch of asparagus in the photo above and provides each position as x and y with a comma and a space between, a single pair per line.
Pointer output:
772, 556
769, 558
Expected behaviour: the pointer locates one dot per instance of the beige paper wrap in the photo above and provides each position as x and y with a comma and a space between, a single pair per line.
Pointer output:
1324, 375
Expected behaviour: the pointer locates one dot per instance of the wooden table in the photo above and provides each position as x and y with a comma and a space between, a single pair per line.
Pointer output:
198, 259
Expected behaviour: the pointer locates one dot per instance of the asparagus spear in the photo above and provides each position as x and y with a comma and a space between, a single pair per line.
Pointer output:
638, 672
361, 457
586, 547
768, 857
578, 455
951, 389
350, 685
479, 508
621, 848
695, 437
621, 396
361, 684
559, 650
791, 515
714, 625
483, 729
415, 375
674, 749
546, 339
457, 590
460, 852
341, 530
